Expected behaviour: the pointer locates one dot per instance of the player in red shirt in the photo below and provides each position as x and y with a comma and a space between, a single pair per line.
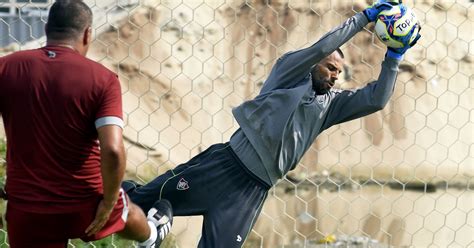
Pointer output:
65, 156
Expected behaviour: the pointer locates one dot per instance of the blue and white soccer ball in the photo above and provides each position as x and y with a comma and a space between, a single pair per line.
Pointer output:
397, 27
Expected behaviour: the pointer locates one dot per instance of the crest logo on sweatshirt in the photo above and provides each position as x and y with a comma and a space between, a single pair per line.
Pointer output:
182, 184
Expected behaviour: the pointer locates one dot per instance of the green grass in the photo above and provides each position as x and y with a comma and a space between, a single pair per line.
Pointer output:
3, 148
3, 152
111, 241
116, 241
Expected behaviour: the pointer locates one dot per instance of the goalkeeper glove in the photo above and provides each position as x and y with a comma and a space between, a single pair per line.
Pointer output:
373, 11
397, 53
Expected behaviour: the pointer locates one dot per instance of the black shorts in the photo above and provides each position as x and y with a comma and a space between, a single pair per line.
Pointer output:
214, 184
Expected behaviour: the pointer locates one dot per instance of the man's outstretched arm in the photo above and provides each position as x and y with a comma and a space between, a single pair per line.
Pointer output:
351, 104
292, 67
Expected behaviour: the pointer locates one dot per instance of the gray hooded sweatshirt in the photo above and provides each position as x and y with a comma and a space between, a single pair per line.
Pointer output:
281, 123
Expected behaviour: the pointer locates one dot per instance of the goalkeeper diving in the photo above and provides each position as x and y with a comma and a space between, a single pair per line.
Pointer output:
228, 183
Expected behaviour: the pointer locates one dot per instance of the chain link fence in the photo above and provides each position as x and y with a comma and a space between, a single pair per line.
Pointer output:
399, 177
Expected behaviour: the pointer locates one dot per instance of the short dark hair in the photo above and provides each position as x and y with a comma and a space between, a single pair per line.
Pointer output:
67, 19
338, 50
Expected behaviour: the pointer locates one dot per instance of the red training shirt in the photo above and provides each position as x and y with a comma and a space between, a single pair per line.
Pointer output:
49, 100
